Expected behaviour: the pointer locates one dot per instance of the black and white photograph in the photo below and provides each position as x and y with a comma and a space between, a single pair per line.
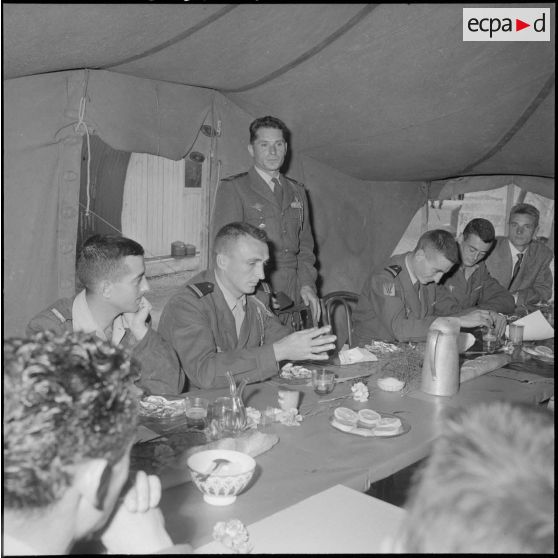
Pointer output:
278, 278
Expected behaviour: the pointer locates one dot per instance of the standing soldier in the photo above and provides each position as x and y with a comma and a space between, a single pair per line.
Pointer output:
277, 204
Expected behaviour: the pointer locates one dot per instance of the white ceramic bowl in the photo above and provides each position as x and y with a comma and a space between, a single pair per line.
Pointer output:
221, 487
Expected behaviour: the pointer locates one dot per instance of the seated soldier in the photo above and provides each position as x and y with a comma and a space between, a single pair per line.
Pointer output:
470, 282
112, 305
69, 421
217, 323
520, 263
487, 487
400, 302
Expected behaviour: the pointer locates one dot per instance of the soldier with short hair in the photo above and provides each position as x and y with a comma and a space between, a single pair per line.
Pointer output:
520, 263
277, 204
400, 301
220, 323
470, 282
113, 306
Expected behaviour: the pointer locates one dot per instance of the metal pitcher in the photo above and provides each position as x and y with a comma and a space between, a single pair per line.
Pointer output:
440, 369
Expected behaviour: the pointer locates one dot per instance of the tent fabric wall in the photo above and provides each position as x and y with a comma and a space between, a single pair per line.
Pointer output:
42, 151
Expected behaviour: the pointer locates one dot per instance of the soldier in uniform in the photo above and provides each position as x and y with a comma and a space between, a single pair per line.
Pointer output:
277, 204
218, 323
470, 282
400, 302
520, 263
113, 306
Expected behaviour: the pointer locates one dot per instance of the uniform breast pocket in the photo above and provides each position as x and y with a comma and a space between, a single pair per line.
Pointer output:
293, 217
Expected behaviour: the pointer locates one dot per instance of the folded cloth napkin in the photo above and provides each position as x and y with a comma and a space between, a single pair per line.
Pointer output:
536, 327
357, 354
252, 442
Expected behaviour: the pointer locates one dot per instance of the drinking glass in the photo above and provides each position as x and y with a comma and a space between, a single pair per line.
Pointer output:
323, 381
489, 339
516, 334
196, 412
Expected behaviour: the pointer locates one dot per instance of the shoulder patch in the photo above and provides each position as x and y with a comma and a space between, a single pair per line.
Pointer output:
234, 176
201, 289
294, 181
394, 269
388, 288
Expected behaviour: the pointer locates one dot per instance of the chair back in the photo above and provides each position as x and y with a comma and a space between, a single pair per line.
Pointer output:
330, 302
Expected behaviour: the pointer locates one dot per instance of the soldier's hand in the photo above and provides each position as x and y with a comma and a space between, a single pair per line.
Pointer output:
136, 321
477, 318
310, 298
308, 344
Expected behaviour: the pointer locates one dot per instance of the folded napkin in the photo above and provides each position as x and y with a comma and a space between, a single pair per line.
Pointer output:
536, 327
350, 356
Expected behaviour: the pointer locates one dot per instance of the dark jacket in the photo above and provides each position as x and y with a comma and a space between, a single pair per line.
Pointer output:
533, 283
480, 290
389, 308
160, 370
200, 326
247, 197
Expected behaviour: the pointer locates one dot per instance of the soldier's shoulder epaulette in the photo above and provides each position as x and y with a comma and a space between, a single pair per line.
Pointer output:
234, 176
294, 181
394, 269
201, 289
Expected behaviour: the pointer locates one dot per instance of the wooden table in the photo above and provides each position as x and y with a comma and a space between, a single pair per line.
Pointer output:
314, 456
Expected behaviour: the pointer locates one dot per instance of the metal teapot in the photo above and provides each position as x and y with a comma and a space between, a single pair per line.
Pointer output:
440, 369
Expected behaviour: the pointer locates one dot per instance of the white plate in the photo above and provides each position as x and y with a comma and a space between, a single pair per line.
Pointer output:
367, 432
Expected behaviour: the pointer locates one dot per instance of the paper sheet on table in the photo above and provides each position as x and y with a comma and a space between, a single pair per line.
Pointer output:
357, 354
338, 520
536, 328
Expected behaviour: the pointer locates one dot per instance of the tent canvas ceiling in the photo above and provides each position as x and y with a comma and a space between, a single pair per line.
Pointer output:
385, 103
377, 91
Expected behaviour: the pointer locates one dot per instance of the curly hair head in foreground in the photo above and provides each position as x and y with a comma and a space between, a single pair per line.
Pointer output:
66, 398
488, 485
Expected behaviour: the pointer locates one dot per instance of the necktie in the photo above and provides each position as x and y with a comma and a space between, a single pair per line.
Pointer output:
238, 313
278, 191
516, 268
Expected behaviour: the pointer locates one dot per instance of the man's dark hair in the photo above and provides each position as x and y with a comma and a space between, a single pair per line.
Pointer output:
67, 398
441, 241
267, 122
232, 232
481, 228
525, 209
101, 257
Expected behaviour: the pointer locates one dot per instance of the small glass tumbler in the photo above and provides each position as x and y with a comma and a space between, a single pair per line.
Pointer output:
196, 412
516, 334
323, 381
489, 339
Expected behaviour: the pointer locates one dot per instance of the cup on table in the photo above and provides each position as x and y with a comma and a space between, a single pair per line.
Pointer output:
516, 334
323, 381
489, 339
288, 399
196, 412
